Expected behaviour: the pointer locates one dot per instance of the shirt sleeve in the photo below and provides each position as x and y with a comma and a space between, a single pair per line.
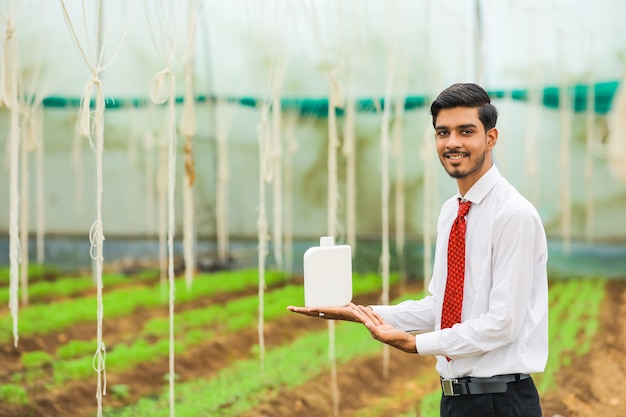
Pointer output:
410, 315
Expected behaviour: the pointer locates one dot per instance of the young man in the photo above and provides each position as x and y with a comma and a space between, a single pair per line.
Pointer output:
486, 316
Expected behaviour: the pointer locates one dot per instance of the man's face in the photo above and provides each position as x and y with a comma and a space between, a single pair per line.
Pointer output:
463, 145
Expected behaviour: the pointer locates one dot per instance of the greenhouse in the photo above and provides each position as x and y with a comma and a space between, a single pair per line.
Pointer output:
170, 167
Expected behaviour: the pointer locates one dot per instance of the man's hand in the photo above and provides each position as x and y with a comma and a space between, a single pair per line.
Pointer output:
328, 313
382, 331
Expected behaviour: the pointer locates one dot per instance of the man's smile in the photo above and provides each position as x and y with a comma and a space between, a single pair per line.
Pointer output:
455, 155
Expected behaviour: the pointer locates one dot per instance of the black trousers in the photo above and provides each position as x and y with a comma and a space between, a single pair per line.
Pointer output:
521, 400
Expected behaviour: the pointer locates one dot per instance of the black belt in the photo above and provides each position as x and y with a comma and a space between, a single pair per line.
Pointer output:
473, 385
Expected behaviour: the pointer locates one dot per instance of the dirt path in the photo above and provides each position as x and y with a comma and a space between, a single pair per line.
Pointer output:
591, 386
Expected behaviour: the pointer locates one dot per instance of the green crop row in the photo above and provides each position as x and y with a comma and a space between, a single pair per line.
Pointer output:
242, 386
573, 323
39, 319
234, 315
65, 287
36, 272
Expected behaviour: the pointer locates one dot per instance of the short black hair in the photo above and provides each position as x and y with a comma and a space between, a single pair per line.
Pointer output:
466, 95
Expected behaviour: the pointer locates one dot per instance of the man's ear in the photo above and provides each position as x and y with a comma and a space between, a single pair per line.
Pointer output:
492, 138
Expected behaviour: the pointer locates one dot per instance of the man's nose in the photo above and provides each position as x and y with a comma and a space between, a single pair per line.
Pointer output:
453, 141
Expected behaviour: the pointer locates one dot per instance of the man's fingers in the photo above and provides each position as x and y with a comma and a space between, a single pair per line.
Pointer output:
307, 311
371, 316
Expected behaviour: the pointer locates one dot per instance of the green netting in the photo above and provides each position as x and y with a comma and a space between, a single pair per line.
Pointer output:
551, 98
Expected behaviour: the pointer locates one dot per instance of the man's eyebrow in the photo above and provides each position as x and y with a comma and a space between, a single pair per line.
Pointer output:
463, 126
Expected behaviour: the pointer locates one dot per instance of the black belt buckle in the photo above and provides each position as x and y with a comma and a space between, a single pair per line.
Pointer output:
447, 385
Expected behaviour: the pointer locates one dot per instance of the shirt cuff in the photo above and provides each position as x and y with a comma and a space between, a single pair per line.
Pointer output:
428, 343
385, 312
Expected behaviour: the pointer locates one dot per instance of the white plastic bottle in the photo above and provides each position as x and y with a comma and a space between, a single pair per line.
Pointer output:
327, 274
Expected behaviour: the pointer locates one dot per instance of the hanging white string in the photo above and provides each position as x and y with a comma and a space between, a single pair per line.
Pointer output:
85, 128
427, 152
264, 138
402, 67
398, 154
589, 137
96, 237
188, 127
9, 98
277, 153
8, 95
349, 152
335, 100
162, 91
290, 121
162, 183
565, 112
384, 195
41, 209
30, 98
170, 239
27, 143
223, 122
390, 74
149, 151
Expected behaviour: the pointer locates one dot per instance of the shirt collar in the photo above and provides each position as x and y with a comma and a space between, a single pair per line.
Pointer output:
482, 187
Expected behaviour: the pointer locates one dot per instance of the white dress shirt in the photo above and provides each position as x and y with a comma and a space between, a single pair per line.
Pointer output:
504, 326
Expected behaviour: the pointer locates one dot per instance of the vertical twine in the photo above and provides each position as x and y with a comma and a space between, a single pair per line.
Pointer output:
391, 65
264, 138
565, 114
335, 101
8, 68
96, 232
163, 91
188, 127
223, 177
149, 150
188, 130
430, 189
384, 196
589, 136
292, 146
277, 186
349, 151
162, 177
27, 143
10, 100
84, 127
398, 153
40, 201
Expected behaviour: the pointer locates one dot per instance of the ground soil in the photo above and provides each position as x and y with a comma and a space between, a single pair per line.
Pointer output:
590, 387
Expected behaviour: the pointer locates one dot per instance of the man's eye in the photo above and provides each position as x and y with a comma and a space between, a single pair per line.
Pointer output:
442, 133
468, 132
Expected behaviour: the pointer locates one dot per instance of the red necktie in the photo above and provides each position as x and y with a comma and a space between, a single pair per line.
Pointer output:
453, 297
